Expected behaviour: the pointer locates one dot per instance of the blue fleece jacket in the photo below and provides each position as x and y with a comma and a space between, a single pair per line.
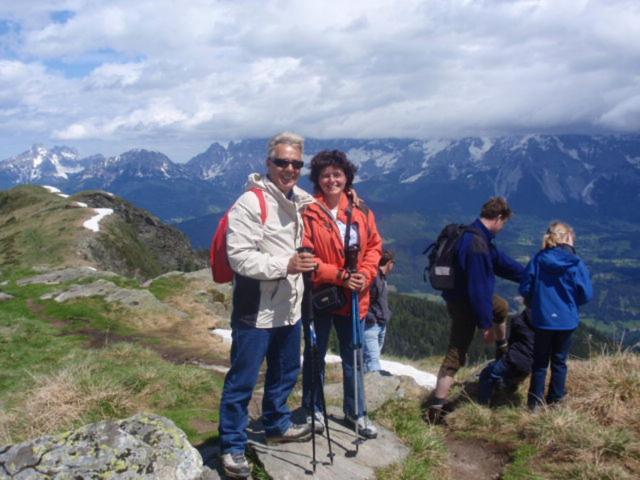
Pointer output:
556, 281
478, 261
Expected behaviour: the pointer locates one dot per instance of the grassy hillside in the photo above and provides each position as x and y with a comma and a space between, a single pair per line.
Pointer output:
41, 229
63, 365
38, 228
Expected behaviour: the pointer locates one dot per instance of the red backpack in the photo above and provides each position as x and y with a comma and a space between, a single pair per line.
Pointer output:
220, 267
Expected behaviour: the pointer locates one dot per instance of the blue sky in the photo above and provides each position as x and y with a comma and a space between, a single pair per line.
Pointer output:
107, 76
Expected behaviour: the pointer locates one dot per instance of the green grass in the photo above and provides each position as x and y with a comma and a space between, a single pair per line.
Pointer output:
50, 382
520, 468
425, 441
165, 287
89, 314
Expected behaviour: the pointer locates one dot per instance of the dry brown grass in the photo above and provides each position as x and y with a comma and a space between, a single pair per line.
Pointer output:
607, 389
5, 438
593, 434
61, 401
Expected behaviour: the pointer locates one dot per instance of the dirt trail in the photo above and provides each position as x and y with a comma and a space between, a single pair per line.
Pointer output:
474, 459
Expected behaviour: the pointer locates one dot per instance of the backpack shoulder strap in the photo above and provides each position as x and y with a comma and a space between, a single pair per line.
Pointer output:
263, 203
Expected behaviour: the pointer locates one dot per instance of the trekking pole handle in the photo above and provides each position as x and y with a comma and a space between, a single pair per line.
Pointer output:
352, 258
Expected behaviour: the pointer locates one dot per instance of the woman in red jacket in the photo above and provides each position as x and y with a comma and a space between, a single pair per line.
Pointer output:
325, 229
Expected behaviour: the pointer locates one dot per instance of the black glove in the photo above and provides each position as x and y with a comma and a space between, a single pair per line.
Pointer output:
501, 348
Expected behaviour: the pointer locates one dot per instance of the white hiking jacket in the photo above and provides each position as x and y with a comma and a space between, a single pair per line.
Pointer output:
264, 296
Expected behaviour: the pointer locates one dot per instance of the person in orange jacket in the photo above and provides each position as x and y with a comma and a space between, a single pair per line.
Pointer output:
325, 230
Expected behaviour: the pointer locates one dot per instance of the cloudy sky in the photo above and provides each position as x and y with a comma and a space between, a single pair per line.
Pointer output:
106, 76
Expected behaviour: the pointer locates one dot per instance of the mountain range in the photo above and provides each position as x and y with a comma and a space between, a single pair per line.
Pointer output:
414, 187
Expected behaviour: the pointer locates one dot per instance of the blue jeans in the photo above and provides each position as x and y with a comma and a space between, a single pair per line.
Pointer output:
250, 346
345, 339
497, 374
548, 345
373, 341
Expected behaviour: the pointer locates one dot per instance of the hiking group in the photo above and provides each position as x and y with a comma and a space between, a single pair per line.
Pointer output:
276, 239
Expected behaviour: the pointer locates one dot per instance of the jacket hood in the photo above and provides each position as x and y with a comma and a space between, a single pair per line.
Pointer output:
262, 181
558, 259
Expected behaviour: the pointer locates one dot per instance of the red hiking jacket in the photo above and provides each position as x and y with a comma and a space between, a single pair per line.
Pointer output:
321, 233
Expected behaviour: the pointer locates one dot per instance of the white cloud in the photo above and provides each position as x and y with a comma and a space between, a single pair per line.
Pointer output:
169, 71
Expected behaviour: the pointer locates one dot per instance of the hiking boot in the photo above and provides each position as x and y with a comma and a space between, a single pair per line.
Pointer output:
366, 428
435, 414
235, 465
295, 433
319, 422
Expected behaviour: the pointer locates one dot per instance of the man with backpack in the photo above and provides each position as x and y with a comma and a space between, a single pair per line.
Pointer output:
470, 300
267, 294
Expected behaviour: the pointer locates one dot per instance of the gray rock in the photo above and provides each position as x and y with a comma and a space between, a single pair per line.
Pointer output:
173, 273
135, 299
379, 389
65, 275
4, 283
5, 297
141, 447
292, 461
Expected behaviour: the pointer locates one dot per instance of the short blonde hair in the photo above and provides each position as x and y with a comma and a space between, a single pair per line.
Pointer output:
557, 234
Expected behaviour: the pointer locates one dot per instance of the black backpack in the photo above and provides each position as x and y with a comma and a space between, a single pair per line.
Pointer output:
441, 255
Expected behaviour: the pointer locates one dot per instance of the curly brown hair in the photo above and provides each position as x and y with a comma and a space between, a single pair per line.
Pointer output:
331, 158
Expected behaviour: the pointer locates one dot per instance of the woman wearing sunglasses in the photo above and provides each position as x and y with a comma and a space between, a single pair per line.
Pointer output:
330, 223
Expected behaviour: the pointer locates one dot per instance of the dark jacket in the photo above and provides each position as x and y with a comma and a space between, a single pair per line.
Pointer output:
379, 311
478, 261
556, 281
519, 356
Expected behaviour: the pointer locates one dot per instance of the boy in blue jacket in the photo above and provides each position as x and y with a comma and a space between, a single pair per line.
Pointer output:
555, 283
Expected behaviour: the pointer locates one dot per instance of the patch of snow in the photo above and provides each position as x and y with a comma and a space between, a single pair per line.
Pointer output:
62, 171
477, 153
93, 223
63, 195
222, 333
424, 379
381, 159
412, 178
571, 152
80, 204
635, 161
37, 161
432, 147
51, 189
587, 192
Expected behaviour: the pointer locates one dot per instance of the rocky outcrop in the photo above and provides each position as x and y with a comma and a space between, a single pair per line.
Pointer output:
5, 297
136, 243
292, 461
141, 447
64, 275
132, 298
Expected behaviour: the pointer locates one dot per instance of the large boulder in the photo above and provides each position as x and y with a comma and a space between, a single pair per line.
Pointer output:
144, 446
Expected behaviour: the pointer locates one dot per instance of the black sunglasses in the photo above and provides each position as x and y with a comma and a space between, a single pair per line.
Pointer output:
282, 163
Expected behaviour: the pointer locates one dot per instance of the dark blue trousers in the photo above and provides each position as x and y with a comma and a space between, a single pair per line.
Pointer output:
345, 338
250, 346
549, 346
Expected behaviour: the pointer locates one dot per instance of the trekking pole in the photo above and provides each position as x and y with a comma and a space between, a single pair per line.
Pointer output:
352, 262
318, 378
311, 340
